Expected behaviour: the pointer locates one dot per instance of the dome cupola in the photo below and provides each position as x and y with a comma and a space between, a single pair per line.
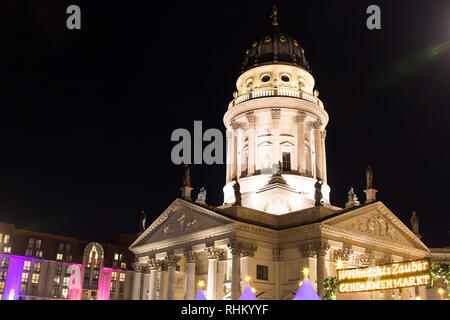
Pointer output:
275, 46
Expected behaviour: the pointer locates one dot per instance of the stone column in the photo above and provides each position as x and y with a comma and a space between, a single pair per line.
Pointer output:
171, 261
145, 283
235, 249
154, 265
229, 155
277, 254
221, 271
247, 252
191, 258
321, 251
318, 149
213, 255
234, 148
276, 156
301, 159
323, 135
308, 156
309, 260
137, 279
251, 118
162, 275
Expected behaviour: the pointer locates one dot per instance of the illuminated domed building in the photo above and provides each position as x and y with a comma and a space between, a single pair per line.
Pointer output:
278, 219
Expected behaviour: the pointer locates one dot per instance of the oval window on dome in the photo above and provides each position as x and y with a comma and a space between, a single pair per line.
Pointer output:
267, 39
254, 44
295, 43
283, 39
265, 78
285, 78
249, 83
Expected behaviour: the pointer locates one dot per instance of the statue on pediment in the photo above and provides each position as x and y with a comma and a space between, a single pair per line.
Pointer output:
369, 177
142, 221
415, 223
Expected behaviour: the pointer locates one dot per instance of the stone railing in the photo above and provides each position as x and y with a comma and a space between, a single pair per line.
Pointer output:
276, 92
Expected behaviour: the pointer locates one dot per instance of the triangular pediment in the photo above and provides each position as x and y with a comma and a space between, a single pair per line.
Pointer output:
178, 220
377, 222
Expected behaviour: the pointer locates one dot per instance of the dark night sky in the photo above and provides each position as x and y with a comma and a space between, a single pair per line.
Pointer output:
86, 116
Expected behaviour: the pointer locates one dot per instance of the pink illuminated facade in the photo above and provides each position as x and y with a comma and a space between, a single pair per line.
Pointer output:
37, 266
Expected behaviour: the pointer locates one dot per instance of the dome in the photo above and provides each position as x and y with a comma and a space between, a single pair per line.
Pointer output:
275, 46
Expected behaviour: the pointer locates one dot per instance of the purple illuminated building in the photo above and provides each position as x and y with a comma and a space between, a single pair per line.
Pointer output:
40, 266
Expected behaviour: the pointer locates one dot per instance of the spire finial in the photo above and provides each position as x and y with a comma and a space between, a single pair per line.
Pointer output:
274, 16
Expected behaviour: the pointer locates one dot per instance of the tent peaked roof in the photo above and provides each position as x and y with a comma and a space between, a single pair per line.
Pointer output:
306, 291
200, 295
248, 294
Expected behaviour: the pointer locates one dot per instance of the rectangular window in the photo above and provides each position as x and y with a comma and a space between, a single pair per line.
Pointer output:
3, 274
35, 278
38, 243
59, 256
5, 263
29, 252
23, 289
7, 249
2, 287
39, 254
27, 266
61, 247
30, 243
113, 286
24, 277
287, 161
6, 238
123, 265
57, 280
58, 269
262, 272
66, 282
113, 276
68, 248
1, 237
37, 267
65, 293
116, 256
122, 277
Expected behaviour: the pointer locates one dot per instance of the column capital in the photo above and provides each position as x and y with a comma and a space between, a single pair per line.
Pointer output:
154, 264
317, 125
248, 250
277, 254
276, 113
171, 260
191, 257
235, 247
235, 125
138, 267
215, 253
342, 254
322, 249
307, 251
300, 117
363, 259
251, 117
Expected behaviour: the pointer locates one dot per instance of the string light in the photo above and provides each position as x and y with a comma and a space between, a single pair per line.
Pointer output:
253, 290
305, 272
418, 298
201, 284
340, 263
300, 283
248, 278
440, 291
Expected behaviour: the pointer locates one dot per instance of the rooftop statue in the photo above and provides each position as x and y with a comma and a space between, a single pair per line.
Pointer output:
201, 197
369, 177
318, 193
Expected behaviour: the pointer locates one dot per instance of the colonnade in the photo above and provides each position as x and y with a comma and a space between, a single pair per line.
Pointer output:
307, 156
